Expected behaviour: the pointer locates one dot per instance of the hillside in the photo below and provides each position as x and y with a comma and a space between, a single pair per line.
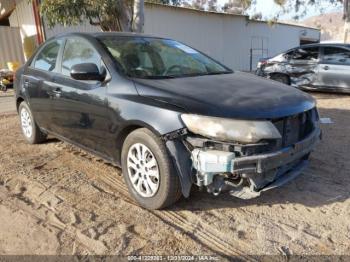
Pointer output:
331, 25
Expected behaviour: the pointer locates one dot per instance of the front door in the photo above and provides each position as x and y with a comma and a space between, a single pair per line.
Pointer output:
335, 68
37, 81
303, 66
80, 110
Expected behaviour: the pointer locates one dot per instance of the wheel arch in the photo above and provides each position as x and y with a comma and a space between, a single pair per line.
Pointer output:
19, 100
127, 130
179, 156
281, 74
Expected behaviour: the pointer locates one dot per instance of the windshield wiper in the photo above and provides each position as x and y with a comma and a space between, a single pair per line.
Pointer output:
219, 73
203, 74
159, 77
183, 75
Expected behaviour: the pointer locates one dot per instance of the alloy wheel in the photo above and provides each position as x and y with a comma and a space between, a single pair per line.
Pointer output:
26, 123
143, 170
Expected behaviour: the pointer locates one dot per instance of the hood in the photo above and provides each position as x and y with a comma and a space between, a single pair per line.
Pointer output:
237, 95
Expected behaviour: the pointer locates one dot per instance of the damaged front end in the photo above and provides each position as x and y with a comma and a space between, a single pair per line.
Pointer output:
245, 169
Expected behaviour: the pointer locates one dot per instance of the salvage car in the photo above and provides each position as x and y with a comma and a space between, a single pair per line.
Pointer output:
170, 116
321, 67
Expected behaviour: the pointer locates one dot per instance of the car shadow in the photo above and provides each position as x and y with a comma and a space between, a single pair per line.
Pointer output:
325, 181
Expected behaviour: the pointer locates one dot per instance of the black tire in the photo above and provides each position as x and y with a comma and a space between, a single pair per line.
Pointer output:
36, 136
169, 190
284, 79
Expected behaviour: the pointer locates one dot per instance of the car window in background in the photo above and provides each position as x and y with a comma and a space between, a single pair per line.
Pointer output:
288, 55
46, 59
78, 51
307, 53
159, 58
335, 55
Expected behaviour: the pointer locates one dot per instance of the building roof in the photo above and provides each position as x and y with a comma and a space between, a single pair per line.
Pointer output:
229, 14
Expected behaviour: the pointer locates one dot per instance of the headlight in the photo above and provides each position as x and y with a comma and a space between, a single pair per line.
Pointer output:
243, 131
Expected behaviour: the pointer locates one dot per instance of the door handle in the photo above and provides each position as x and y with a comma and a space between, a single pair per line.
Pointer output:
57, 92
326, 67
26, 83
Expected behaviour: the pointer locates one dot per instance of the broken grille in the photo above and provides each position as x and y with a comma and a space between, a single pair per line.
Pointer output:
297, 127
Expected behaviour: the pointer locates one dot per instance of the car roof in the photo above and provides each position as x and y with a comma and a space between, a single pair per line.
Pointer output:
326, 44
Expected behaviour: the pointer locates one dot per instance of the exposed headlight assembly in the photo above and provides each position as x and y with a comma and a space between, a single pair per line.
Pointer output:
223, 129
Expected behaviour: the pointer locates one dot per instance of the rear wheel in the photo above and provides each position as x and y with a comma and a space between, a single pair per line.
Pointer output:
30, 129
148, 171
280, 78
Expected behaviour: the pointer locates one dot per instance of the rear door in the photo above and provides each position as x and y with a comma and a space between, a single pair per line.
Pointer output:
335, 68
303, 66
37, 82
80, 109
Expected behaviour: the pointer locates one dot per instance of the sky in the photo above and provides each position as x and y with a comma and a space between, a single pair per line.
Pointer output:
268, 9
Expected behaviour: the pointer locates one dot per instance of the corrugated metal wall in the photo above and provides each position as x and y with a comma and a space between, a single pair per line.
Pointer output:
10, 46
23, 17
227, 38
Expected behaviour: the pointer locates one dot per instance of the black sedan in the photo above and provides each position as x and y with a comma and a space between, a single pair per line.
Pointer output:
169, 115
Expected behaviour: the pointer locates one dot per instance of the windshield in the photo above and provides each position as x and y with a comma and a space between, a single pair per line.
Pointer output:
159, 58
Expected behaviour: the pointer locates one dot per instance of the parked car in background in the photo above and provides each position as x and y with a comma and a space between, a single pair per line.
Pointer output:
169, 115
321, 67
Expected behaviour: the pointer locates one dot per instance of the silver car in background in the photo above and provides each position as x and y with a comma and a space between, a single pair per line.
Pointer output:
321, 67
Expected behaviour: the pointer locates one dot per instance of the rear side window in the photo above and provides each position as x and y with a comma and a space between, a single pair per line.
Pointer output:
47, 58
308, 53
78, 51
336, 55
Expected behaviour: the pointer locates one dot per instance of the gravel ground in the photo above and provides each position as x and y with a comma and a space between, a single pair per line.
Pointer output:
7, 102
57, 199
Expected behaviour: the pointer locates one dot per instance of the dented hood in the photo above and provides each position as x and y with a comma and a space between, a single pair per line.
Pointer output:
237, 95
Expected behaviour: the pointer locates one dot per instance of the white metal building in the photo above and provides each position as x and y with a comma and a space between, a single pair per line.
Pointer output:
234, 40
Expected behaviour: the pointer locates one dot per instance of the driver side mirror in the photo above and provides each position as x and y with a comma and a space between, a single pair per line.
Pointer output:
87, 71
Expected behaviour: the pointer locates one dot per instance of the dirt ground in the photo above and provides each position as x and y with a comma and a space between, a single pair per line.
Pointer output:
56, 199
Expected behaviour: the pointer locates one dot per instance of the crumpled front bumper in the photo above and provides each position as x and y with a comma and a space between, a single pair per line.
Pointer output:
262, 171
284, 165
265, 162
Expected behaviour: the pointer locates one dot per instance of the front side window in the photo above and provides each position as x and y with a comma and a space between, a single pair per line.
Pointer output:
159, 58
78, 51
47, 58
336, 55
308, 53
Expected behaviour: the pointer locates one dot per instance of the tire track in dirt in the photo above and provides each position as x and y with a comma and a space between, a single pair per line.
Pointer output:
198, 231
45, 215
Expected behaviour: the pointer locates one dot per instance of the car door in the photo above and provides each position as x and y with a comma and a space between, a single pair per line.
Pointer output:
303, 66
80, 110
37, 81
335, 68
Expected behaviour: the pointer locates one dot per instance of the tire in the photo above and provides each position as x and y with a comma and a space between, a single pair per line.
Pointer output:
162, 191
280, 78
30, 129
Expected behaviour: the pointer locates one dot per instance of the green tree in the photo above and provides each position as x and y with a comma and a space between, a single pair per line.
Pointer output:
237, 6
110, 15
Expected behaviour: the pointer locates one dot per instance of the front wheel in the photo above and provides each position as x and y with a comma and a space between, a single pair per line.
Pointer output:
30, 129
148, 171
